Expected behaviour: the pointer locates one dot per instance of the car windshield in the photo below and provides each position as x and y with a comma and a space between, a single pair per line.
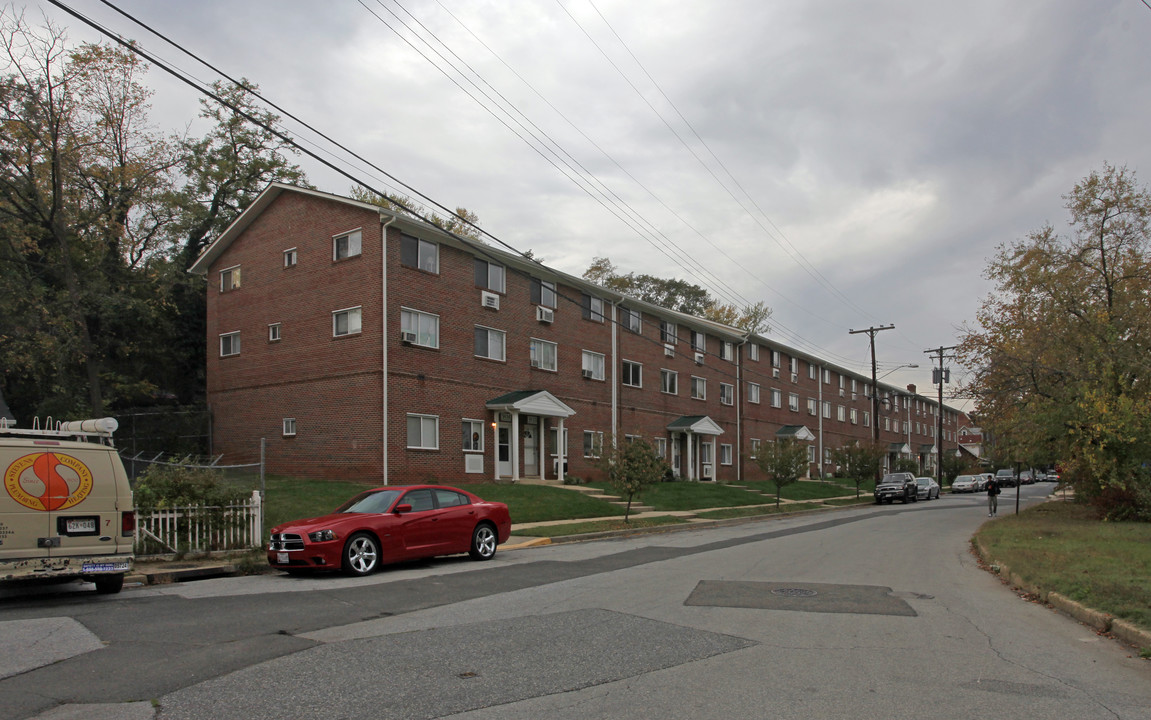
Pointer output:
964, 478
372, 501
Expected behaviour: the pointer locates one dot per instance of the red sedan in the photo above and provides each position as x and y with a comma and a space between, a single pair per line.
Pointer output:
391, 524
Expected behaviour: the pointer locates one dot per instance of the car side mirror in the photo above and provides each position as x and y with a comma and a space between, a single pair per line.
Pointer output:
405, 508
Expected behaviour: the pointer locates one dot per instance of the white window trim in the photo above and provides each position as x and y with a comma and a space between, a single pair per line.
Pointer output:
532, 344
292, 254
491, 330
235, 345
349, 310
232, 272
730, 394
347, 234
481, 424
274, 329
793, 402
674, 375
776, 398
436, 340
423, 417
703, 385
753, 352
289, 427
753, 393
596, 441
623, 380
725, 454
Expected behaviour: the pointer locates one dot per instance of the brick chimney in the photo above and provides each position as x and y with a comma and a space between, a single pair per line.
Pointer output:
911, 389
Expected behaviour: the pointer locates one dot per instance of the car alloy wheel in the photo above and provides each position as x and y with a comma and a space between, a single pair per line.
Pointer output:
361, 554
483, 542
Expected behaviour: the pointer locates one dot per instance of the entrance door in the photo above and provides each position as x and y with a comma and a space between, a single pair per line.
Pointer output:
504, 450
531, 446
675, 450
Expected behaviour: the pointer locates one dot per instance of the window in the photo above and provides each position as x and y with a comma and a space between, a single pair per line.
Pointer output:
826, 376
592, 443
543, 293
698, 388
726, 350
593, 363
812, 406
866, 419
726, 394
811, 453
489, 276
841, 414
274, 332
698, 341
775, 358
425, 327
592, 307
669, 382
473, 435
753, 393
543, 354
827, 410
793, 402
660, 446
347, 245
705, 451
776, 398
291, 256
794, 368
490, 344
754, 448
629, 439
811, 371
632, 374
667, 332
553, 446
418, 253
827, 456
753, 352
423, 432
725, 454
229, 344
346, 322
289, 427
631, 320
230, 279
887, 423
854, 416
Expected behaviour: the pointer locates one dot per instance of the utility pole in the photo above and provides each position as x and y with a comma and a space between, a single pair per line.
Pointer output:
941, 376
874, 382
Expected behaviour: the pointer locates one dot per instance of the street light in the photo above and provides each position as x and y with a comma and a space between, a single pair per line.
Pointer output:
898, 367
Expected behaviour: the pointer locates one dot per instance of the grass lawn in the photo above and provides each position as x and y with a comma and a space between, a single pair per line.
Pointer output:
690, 495
539, 503
1063, 547
598, 526
292, 498
802, 490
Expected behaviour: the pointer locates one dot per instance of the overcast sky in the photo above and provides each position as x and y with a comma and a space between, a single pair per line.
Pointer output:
849, 163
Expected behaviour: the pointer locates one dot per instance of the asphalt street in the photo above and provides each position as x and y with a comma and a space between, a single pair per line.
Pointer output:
864, 612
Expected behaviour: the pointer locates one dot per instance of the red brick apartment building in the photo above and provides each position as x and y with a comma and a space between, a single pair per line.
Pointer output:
365, 344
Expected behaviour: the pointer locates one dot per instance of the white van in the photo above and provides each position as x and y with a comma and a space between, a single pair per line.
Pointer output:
66, 509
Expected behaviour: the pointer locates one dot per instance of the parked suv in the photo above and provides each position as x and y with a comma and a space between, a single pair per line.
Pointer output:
1006, 478
66, 509
899, 485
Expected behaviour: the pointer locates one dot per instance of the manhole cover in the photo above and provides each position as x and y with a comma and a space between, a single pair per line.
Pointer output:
794, 592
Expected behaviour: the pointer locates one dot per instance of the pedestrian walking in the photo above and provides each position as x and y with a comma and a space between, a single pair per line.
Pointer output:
992, 497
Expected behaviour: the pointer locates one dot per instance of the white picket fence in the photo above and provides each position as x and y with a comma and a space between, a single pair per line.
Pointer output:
198, 529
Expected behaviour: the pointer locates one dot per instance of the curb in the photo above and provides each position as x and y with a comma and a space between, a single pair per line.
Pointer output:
1102, 622
173, 575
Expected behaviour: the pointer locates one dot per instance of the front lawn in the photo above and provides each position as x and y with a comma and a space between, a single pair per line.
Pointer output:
689, 495
1064, 547
541, 503
803, 490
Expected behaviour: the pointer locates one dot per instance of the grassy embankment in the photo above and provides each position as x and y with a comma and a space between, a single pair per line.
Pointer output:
1062, 546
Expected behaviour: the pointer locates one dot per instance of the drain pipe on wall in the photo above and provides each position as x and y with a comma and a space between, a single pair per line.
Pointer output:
384, 340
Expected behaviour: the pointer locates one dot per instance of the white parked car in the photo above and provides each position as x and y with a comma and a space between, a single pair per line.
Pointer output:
926, 488
965, 484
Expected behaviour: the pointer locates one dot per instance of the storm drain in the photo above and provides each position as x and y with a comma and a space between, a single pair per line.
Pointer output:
802, 597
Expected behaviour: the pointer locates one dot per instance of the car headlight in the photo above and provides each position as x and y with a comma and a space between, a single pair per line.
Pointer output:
322, 535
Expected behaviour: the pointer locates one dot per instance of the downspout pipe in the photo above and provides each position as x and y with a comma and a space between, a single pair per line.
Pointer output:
384, 340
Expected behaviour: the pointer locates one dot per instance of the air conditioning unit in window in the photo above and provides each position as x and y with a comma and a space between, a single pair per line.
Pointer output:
535, 362
775, 372
545, 314
407, 336
588, 373
794, 377
490, 300
840, 392
699, 358
669, 350
706, 471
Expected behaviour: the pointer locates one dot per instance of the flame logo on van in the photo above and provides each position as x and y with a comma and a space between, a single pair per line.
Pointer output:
48, 481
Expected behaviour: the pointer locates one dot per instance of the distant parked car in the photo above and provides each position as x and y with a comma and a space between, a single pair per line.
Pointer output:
1026, 477
1006, 478
926, 488
965, 484
391, 524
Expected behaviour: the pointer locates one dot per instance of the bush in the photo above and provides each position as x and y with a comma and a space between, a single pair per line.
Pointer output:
168, 486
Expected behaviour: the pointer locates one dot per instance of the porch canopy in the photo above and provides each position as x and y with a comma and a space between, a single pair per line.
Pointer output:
927, 449
795, 432
899, 448
691, 426
530, 402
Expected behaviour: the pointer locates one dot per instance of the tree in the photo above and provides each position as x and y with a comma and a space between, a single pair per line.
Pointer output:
678, 295
783, 461
630, 466
1059, 356
859, 461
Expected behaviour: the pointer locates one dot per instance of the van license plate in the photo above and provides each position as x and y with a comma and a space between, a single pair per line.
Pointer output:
282, 558
81, 525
